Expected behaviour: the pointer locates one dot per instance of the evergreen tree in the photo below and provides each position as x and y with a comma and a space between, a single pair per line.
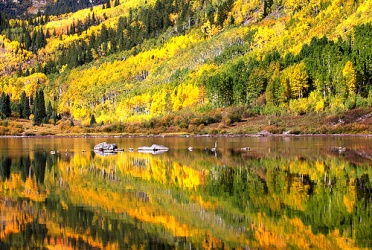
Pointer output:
38, 40
49, 111
3, 22
92, 120
8, 110
5, 106
39, 108
24, 107
27, 39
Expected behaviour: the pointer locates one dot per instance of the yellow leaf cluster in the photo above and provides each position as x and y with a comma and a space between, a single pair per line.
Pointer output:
349, 75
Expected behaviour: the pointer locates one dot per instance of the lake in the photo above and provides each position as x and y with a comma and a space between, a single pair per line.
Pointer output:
250, 193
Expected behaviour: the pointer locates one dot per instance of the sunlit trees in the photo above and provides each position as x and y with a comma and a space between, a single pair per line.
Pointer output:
349, 75
361, 52
95, 60
298, 80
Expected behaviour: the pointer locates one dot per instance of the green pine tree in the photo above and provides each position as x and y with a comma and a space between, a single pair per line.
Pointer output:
24, 107
8, 110
39, 108
92, 120
5, 110
49, 111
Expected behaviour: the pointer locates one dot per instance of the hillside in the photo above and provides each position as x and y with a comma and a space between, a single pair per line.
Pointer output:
189, 64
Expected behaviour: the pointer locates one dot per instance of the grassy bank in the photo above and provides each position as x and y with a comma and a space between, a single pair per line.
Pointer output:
222, 121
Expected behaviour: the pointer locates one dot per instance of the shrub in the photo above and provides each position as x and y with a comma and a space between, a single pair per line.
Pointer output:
120, 128
299, 106
235, 114
273, 129
107, 128
64, 125
3, 130
214, 131
183, 125
148, 124
214, 116
336, 105
271, 110
361, 102
16, 131
197, 121
166, 120
226, 120
192, 128
133, 127
177, 120
248, 113
221, 127
350, 103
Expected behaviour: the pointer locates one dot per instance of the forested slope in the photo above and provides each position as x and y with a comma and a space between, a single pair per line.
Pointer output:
127, 61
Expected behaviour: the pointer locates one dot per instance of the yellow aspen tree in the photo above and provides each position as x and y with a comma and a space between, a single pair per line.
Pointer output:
349, 76
176, 98
158, 103
192, 94
173, 17
298, 79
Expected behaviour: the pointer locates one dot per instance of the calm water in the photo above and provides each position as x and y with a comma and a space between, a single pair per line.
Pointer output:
280, 193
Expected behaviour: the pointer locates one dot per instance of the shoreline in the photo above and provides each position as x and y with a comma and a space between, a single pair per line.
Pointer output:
183, 135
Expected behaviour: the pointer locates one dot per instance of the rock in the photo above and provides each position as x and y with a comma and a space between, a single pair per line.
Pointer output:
103, 146
264, 133
105, 152
153, 148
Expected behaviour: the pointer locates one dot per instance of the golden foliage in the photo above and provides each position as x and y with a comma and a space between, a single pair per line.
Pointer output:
13, 219
297, 78
349, 75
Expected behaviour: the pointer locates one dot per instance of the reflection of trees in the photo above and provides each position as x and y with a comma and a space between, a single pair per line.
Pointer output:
75, 227
319, 194
24, 165
32, 235
230, 201
108, 231
305, 194
5, 164
24, 176
39, 165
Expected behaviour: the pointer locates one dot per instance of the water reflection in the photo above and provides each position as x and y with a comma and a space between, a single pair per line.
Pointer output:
270, 196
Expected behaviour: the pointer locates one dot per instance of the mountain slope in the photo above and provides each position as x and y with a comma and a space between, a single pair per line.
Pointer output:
141, 59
